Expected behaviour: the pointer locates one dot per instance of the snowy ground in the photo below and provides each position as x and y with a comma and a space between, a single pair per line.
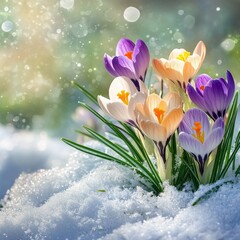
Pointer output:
76, 196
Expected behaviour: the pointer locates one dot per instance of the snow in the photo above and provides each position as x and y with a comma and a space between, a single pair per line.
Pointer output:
82, 197
27, 151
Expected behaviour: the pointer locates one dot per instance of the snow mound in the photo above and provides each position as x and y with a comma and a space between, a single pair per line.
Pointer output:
90, 198
25, 151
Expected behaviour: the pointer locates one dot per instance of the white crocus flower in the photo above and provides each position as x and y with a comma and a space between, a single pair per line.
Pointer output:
123, 96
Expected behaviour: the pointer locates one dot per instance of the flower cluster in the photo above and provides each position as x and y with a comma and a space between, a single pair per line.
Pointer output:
188, 129
158, 118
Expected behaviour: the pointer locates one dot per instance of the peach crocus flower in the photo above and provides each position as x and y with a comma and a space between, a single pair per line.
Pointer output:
123, 97
158, 118
181, 66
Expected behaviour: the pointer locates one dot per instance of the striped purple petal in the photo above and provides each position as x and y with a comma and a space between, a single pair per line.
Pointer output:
196, 97
214, 139
191, 144
231, 87
141, 59
219, 123
191, 117
124, 67
201, 82
124, 46
108, 65
215, 98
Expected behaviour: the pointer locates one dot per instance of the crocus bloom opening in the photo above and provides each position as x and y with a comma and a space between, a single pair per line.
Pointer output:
212, 95
123, 96
131, 61
197, 137
181, 66
158, 118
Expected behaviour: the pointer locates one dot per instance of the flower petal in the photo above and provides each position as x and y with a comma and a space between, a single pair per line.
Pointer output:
116, 110
173, 100
124, 45
103, 102
158, 66
191, 144
137, 98
215, 97
231, 87
194, 115
175, 53
140, 59
124, 67
154, 131
201, 82
191, 67
219, 123
172, 120
153, 101
196, 97
107, 60
174, 70
119, 111
118, 84
200, 50
214, 139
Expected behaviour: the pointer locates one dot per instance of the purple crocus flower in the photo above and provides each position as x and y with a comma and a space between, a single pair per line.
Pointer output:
212, 95
131, 60
197, 137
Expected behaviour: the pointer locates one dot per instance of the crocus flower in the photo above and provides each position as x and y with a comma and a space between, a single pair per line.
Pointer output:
197, 137
123, 96
130, 61
181, 66
158, 118
212, 95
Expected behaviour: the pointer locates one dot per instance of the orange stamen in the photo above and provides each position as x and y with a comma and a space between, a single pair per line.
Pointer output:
159, 113
128, 55
183, 56
199, 135
202, 87
123, 95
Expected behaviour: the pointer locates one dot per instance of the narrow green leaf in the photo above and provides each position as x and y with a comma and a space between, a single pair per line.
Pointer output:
223, 150
237, 171
189, 162
173, 151
209, 193
83, 133
86, 93
94, 152
231, 159
132, 161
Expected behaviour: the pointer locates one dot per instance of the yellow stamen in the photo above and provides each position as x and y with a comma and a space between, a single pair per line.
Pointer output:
202, 87
123, 95
183, 56
199, 135
159, 113
128, 55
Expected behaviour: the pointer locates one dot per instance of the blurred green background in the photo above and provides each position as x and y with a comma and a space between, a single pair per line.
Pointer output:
45, 44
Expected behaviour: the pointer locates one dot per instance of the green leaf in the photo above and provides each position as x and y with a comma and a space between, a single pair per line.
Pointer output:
172, 146
209, 193
135, 155
190, 164
83, 133
223, 151
101, 190
94, 152
86, 93
128, 158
